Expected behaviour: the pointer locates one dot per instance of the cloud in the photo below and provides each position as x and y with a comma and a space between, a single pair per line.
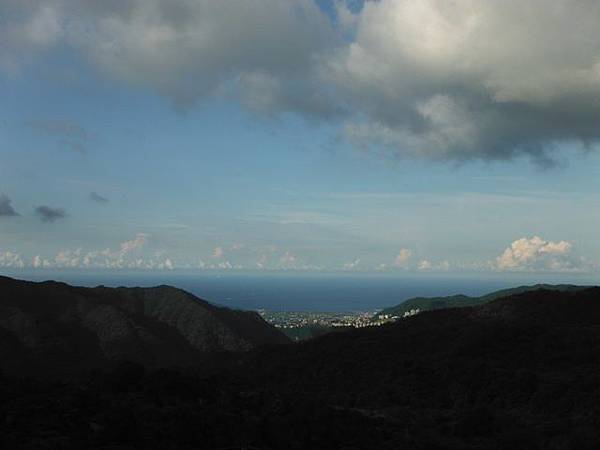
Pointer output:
49, 214
462, 80
182, 49
426, 265
473, 79
287, 258
38, 262
530, 254
287, 261
11, 260
95, 197
6, 208
27, 30
352, 265
403, 258
129, 255
135, 244
68, 258
167, 264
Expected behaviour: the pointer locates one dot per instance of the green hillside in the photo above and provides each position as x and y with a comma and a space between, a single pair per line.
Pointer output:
460, 301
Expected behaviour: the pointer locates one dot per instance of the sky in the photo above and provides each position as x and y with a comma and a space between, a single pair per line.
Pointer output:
390, 135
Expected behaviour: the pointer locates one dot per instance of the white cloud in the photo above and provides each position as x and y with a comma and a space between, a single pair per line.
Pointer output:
11, 260
135, 244
538, 254
68, 258
425, 264
403, 258
345, 17
166, 264
261, 262
129, 255
352, 265
287, 260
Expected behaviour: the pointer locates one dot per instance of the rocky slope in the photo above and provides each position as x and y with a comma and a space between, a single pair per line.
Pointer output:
53, 327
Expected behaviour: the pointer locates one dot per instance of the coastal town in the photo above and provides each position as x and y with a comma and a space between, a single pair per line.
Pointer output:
301, 325
297, 319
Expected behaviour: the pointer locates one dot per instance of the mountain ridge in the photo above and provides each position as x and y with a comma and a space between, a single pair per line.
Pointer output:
520, 372
72, 327
422, 304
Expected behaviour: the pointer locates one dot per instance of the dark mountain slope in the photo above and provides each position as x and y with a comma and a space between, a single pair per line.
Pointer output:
54, 327
521, 372
461, 301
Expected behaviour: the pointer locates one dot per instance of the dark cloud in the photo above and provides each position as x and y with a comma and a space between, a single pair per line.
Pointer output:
49, 214
6, 208
187, 50
95, 197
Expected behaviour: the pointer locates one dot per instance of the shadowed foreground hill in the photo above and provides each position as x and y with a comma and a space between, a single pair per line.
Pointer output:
521, 372
52, 327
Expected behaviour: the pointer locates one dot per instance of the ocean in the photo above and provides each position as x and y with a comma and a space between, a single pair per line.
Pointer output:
319, 292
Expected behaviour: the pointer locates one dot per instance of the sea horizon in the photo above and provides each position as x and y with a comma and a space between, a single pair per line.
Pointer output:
308, 291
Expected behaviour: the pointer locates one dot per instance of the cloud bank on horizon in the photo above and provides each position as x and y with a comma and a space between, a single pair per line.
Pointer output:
462, 80
531, 255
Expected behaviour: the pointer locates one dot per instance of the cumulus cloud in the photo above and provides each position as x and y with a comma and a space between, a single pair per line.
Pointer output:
403, 258
135, 244
11, 260
352, 265
68, 258
538, 254
97, 198
49, 214
129, 255
473, 79
38, 262
461, 80
6, 208
287, 260
184, 50
242, 256
426, 265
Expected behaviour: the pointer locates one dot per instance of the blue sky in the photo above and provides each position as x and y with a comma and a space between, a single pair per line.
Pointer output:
181, 157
